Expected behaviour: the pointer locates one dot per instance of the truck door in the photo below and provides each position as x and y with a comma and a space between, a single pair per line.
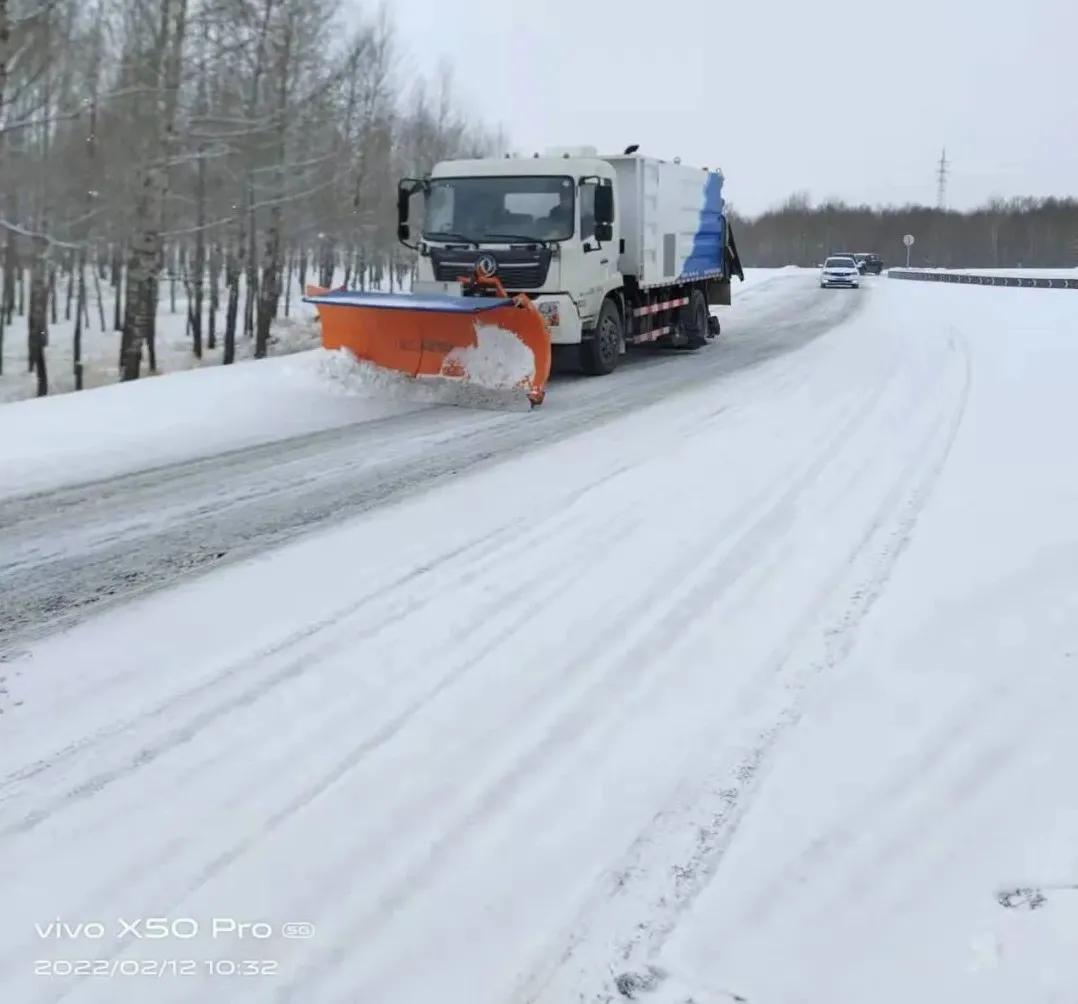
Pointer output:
599, 260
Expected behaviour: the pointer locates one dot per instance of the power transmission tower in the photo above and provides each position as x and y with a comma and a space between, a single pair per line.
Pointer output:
941, 177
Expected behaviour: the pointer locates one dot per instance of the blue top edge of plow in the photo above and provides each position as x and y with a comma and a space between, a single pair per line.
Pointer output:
440, 302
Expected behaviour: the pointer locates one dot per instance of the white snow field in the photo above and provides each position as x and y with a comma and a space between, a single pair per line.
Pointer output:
763, 689
101, 346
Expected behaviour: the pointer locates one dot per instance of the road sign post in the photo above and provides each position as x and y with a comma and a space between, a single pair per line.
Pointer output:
908, 241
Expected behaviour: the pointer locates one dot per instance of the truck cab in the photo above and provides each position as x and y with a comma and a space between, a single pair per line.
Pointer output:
545, 226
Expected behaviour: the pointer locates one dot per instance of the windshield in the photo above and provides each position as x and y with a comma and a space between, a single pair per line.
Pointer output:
839, 263
538, 208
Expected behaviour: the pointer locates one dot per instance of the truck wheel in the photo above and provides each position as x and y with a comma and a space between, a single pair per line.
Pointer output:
693, 320
599, 354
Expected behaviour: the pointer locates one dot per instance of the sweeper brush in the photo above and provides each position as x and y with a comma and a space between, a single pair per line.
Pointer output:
484, 347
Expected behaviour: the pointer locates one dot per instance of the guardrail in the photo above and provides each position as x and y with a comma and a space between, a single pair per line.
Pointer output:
972, 279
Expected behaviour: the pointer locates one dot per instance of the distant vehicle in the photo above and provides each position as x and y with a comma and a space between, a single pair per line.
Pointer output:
840, 270
869, 262
852, 256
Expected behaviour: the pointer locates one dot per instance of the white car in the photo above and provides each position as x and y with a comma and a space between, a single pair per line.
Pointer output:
840, 271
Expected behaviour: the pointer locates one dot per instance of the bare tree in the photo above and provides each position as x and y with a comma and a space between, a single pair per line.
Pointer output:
245, 143
144, 262
1029, 232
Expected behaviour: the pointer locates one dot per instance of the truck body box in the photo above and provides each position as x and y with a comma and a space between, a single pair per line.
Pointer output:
672, 220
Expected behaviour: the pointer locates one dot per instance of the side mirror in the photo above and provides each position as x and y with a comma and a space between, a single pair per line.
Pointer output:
604, 206
404, 197
405, 190
604, 231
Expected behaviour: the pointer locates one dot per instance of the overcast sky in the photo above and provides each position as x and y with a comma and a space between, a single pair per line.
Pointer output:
836, 97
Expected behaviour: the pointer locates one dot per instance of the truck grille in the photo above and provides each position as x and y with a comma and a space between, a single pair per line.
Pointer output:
526, 268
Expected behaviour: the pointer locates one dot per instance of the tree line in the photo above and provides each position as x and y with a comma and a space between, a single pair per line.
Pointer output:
1018, 233
228, 145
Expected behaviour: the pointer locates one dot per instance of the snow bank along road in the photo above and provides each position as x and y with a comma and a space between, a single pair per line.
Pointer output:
764, 692
66, 549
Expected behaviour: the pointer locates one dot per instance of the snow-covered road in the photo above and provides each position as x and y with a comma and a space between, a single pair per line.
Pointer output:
764, 691
242, 459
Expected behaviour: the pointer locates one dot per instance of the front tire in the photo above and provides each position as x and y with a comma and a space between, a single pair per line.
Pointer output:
599, 354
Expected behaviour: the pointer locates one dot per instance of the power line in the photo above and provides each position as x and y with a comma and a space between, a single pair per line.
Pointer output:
941, 176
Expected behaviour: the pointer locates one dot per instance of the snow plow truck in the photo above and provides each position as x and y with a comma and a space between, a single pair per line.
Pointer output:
519, 257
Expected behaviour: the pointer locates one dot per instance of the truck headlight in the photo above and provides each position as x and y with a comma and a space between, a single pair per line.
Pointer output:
549, 310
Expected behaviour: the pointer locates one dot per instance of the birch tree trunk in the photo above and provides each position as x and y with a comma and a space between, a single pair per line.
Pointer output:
250, 292
214, 277
11, 268
80, 310
232, 275
199, 264
287, 283
269, 291
5, 39
100, 299
144, 262
37, 322
118, 288
198, 268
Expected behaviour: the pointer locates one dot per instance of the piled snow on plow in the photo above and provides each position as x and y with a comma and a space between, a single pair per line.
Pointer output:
499, 359
494, 369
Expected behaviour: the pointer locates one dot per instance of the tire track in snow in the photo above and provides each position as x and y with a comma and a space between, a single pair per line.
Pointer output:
528, 603
253, 665
627, 660
713, 810
527, 767
468, 561
217, 510
886, 800
518, 607
168, 709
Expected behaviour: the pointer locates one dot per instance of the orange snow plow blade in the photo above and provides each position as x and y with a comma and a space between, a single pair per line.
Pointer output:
483, 341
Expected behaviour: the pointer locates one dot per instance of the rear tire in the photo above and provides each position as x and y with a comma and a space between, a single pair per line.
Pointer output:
693, 321
599, 354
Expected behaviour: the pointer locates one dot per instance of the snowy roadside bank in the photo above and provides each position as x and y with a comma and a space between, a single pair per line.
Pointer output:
98, 433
